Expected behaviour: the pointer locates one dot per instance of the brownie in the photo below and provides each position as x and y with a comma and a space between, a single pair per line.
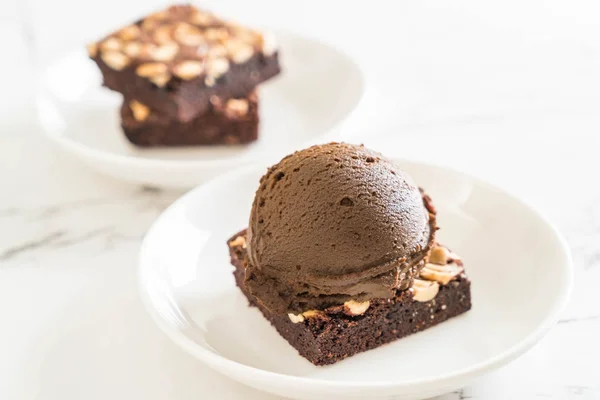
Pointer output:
234, 121
176, 60
330, 335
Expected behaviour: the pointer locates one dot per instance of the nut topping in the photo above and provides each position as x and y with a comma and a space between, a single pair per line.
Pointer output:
217, 67
139, 110
215, 101
159, 15
149, 23
115, 60
189, 42
216, 51
238, 241
188, 69
439, 255
441, 273
129, 32
216, 34
201, 18
188, 35
311, 313
268, 44
296, 318
209, 81
235, 108
239, 51
355, 308
132, 49
454, 258
149, 70
154, 19
92, 49
247, 35
162, 34
111, 44
160, 80
166, 52
424, 290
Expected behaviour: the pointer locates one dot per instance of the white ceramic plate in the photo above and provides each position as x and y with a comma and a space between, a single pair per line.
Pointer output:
519, 265
318, 88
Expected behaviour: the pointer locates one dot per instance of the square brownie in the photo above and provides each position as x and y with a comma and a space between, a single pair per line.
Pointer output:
175, 61
233, 121
327, 336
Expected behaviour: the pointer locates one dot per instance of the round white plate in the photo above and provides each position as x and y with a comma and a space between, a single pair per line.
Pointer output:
519, 265
317, 89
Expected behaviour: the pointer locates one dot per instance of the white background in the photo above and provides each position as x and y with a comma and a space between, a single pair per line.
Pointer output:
506, 90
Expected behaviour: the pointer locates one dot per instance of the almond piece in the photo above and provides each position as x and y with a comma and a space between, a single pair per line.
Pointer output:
201, 18
424, 290
139, 110
188, 35
441, 273
355, 308
268, 44
133, 49
215, 101
439, 255
235, 108
454, 258
159, 15
209, 81
129, 32
217, 67
111, 44
188, 69
163, 34
217, 51
151, 21
296, 318
115, 60
148, 70
239, 51
311, 313
216, 34
92, 49
165, 52
238, 241
247, 36
160, 80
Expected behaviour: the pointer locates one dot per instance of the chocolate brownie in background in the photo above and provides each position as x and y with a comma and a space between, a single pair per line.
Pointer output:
179, 63
340, 254
233, 121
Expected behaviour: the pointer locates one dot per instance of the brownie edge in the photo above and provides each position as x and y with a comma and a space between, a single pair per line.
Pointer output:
331, 335
235, 121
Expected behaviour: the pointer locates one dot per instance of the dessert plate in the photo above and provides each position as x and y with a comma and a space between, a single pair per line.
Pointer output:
318, 88
519, 265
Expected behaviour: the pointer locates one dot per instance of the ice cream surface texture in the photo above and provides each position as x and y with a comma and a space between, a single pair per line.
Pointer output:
333, 223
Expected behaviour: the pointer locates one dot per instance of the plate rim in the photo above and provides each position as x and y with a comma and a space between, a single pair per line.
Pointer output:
222, 363
86, 152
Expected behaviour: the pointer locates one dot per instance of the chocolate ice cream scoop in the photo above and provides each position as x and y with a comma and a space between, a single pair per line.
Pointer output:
333, 223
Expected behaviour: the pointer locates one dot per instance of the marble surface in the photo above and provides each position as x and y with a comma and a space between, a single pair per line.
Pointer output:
507, 92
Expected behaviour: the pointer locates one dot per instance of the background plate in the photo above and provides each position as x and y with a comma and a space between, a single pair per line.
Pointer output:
318, 88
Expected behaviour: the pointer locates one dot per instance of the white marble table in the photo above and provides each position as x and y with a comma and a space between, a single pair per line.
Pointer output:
510, 93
